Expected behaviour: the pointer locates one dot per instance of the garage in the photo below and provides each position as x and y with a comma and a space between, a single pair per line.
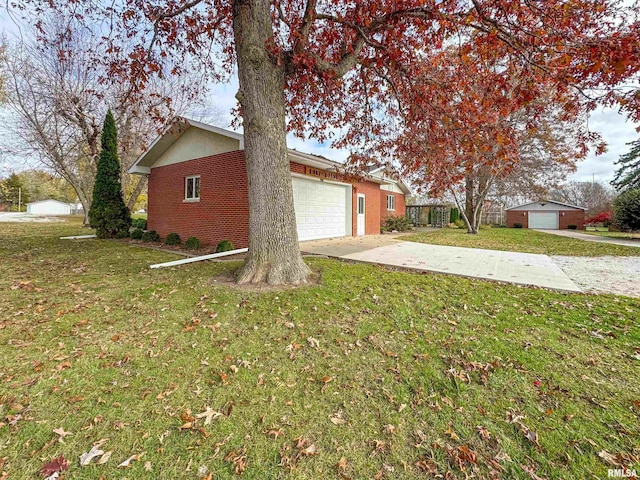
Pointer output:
543, 220
48, 207
322, 209
546, 215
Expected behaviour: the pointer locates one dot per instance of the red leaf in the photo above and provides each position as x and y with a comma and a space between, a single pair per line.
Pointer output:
56, 465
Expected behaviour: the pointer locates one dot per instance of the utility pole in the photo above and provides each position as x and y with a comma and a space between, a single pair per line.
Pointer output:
19, 199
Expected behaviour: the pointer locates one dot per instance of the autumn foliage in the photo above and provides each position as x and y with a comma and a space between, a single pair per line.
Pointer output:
604, 217
421, 82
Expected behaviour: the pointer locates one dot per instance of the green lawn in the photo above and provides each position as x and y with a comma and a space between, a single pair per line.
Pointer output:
613, 234
371, 374
520, 240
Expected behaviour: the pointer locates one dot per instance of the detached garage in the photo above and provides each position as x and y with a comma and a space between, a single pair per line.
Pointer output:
48, 207
546, 215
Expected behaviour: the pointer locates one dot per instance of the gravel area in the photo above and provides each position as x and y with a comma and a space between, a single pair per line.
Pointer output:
618, 275
25, 217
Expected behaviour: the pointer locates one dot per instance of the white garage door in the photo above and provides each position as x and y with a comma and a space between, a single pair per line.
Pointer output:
321, 209
543, 220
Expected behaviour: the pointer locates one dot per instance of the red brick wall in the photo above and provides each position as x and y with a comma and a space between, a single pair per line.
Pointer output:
571, 217
516, 216
400, 205
371, 193
223, 210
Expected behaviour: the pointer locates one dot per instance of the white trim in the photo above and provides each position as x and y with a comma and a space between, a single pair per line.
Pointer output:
78, 237
546, 201
140, 170
364, 213
318, 179
391, 197
199, 259
186, 188
48, 200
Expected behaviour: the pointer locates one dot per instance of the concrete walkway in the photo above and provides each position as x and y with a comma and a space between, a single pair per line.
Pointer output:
592, 238
512, 267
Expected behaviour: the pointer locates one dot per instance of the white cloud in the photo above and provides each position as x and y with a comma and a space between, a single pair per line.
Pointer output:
616, 131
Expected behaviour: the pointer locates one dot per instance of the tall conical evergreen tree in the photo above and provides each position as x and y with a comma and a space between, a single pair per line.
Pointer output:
628, 174
108, 214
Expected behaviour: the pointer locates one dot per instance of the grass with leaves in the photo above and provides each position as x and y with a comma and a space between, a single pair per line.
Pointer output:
370, 374
520, 240
602, 233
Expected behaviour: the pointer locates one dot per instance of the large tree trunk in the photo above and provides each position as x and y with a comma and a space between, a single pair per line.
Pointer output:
131, 201
469, 214
274, 254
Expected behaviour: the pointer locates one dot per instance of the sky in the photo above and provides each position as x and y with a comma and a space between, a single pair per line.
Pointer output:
614, 128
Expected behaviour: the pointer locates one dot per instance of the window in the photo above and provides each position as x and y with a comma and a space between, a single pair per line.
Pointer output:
391, 202
192, 189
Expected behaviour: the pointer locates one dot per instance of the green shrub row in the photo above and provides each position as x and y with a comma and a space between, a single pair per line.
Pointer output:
395, 223
151, 236
173, 239
192, 243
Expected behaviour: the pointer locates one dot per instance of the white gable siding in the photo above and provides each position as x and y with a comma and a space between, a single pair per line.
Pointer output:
196, 143
392, 188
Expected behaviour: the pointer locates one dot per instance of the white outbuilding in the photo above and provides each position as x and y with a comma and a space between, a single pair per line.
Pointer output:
48, 207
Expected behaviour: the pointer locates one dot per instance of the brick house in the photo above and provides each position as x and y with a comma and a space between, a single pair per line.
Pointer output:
198, 187
546, 215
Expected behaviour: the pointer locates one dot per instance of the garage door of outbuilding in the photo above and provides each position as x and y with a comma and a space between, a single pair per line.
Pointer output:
543, 220
322, 209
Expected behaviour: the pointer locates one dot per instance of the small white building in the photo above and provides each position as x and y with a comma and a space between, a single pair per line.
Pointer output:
48, 207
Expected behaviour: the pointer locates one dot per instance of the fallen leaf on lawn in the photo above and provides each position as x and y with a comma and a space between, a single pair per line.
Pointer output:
532, 472
449, 402
389, 429
147, 466
608, 458
467, 454
342, 464
105, 458
238, 459
87, 457
209, 415
63, 366
449, 431
326, 379
313, 343
275, 433
427, 466
483, 432
337, 420
186, 426
532, 437
61, 434
132, 458
55, 466
310, 450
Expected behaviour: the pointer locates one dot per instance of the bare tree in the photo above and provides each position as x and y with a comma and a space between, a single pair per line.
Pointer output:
596, 197
59, 96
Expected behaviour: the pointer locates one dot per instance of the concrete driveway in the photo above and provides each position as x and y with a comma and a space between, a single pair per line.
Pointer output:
511, 267
592, 238
26, 217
